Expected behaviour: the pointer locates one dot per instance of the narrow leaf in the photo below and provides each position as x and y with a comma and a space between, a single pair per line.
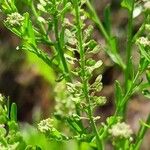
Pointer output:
118, 93
13, 112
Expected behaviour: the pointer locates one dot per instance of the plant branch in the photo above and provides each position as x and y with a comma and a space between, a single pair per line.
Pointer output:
42, 28
129, 46
141, 133
128, 55
59, 47
128, 94
84, 79
113, 55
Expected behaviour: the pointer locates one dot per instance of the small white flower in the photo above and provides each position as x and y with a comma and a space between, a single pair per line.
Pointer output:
45, 125
121, 130
143, 41
14, 19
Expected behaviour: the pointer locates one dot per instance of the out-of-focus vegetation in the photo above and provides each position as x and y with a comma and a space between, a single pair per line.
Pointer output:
78, 72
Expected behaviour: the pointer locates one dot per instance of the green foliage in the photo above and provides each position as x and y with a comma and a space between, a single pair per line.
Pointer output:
55, 31
127, 4
10, 136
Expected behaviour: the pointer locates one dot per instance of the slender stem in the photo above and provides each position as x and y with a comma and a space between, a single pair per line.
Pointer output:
141, 133
139, 32
59, 47
48, 40
84, 79
113, 53
36, 16
141, 29
128, 53
120, 110
41, 27
97, 20
129, 46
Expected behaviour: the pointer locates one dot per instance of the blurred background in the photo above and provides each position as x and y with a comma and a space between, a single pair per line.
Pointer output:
29, 82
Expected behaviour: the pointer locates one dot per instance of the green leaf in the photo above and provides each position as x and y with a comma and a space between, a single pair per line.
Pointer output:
8, 6
74, 125
28, 31
127, 4
144, 124
143, 64
140, 135
13, 112
146, 93
113, 43
131, 69
13, 5
118, 93
148, 76
145, 52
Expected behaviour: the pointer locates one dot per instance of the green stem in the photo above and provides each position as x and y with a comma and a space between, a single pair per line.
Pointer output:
113, 53
141, 133
84, 79
59, 48
41, 27
129, 46
97, 21
36, 16
120, 110
128, 54
141, 29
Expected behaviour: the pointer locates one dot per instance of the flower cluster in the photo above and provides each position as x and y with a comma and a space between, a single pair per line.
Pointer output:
45, 125
121, 129
47, 128
14, 19
41, 6
143, 41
